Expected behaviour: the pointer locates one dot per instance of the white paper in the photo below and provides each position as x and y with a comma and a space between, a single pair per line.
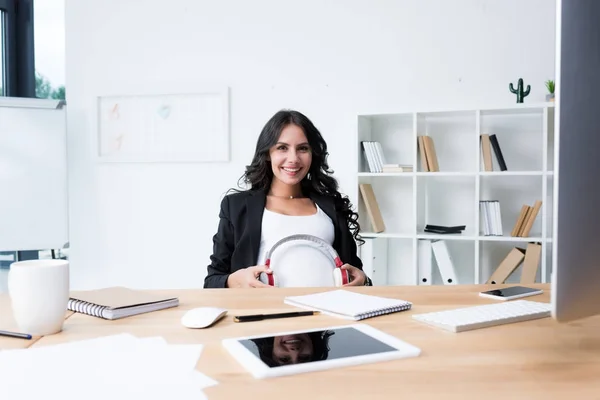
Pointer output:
117, 366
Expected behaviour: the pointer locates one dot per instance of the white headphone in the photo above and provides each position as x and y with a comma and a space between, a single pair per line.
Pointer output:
340, 276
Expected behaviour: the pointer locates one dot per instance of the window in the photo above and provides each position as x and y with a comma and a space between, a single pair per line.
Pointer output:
3, 40
49, 44
16, 45
31, 65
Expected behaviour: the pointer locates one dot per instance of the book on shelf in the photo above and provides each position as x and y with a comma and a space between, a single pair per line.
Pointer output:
491, 217
373, 211
498, 152
422, 155
348, 305
486, 151
529, 257
376, 161
526, 219
489, 143
428, 155
118, 302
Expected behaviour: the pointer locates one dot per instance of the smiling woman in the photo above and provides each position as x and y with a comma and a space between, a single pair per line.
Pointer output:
291, 192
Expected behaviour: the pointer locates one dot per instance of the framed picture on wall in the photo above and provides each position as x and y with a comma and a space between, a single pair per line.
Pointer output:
171, 127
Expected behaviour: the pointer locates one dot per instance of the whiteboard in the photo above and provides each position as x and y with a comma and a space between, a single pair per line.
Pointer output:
181, 127
33, 174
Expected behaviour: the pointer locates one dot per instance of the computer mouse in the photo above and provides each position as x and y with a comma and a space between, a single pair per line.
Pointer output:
202, 317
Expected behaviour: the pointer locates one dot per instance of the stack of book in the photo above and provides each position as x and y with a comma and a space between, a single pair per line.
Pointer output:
376, 161
526, 219
491, 219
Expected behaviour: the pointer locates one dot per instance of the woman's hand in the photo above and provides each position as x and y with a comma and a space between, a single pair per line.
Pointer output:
248, 277
357, 276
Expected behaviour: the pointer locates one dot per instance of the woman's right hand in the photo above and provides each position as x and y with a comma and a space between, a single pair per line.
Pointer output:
248, 277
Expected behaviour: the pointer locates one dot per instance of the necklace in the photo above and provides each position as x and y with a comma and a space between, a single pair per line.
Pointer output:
287, 197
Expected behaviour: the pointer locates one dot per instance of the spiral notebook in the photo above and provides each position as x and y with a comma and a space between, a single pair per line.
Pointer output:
118, 302
348, 305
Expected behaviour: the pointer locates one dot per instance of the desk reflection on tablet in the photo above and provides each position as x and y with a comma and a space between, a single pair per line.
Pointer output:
307, 347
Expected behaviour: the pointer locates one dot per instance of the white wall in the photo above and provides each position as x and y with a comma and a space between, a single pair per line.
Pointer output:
151, 225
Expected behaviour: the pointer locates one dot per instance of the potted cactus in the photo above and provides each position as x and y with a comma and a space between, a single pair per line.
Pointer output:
550, 87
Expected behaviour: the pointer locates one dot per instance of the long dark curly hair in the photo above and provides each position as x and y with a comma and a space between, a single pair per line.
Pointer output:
319, 179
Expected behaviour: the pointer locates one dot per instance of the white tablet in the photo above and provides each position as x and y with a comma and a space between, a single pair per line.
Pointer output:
295, 352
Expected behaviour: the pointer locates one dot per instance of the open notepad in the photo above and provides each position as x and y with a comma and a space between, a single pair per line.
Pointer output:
118, 302
348, 305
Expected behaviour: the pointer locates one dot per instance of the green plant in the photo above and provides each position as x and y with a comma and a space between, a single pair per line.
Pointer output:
550, 86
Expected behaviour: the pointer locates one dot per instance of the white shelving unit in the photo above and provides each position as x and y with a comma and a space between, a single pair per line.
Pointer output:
410, 200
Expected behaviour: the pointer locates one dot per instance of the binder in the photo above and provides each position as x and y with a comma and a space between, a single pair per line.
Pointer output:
372, 253
444, 262
507, 266
424, 262
531, 263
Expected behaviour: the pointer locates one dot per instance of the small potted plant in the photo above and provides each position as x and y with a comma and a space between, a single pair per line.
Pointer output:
550, 87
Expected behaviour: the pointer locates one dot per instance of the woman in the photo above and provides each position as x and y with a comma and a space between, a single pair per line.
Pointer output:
290, 191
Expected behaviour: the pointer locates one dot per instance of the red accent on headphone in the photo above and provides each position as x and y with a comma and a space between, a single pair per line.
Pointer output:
270, 279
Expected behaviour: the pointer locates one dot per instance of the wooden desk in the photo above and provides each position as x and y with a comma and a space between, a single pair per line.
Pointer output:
7, 323
538, 359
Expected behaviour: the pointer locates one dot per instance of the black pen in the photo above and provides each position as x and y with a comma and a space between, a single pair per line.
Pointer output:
260, 317
16, 335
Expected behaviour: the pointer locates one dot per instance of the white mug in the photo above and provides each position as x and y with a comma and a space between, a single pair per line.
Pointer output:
39, 293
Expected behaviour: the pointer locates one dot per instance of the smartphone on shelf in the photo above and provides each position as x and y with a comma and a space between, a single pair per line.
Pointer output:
510, 293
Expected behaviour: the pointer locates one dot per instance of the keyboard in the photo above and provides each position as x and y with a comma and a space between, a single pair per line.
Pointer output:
476, 317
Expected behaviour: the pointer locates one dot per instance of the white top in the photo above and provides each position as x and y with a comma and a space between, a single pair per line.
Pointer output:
298, 263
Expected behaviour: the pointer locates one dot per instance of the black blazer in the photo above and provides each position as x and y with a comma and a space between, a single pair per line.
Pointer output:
237, 241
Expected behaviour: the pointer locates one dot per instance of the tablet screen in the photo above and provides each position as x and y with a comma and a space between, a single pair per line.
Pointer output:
314, 346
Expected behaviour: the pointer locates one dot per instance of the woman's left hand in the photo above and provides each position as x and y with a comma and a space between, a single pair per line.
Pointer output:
357, 276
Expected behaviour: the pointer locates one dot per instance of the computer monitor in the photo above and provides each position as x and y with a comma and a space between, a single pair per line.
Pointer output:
576, 249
